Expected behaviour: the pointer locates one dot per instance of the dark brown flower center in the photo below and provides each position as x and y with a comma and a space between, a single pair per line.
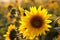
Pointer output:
37, 22
10, 7
12, 34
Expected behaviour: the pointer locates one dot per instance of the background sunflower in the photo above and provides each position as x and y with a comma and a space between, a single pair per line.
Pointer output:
11, 34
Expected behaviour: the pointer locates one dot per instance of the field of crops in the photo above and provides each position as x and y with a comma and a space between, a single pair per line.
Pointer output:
30, 20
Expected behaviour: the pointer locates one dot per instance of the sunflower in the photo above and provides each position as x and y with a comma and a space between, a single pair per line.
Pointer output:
35, 22
53, 3
11, 34
9, 5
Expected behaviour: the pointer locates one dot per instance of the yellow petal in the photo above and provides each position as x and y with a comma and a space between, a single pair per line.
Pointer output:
48, 21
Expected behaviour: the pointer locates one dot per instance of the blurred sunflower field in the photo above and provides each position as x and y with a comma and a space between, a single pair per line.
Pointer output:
29, 19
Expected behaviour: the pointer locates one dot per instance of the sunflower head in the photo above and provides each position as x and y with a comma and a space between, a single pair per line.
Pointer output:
11, 34
9, 5
13, 11
35, 22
